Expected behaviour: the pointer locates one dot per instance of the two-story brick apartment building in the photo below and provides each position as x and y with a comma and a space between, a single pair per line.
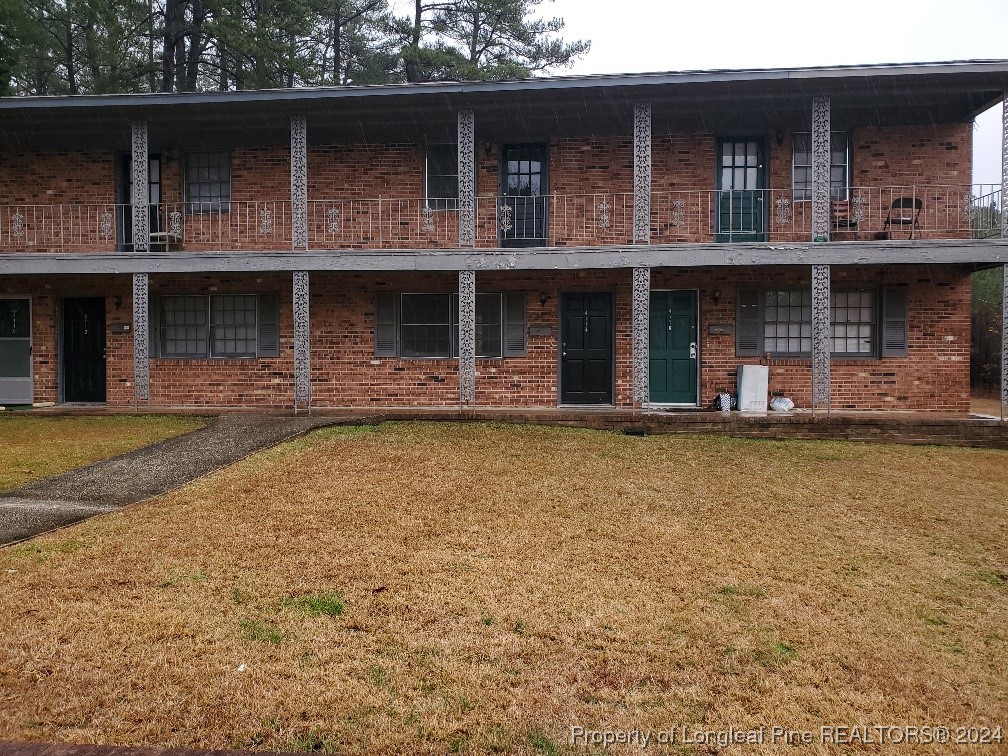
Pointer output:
608, 240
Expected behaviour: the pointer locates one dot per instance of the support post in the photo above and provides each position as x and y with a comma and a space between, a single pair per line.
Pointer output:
467, 337
820, 169
141, 338
140, 194
302, 342
1004, 234
821, 337
467, 178
641, 337
1004, 338
642, 173
299, 183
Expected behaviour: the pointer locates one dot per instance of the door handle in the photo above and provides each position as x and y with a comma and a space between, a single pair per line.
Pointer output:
692, 350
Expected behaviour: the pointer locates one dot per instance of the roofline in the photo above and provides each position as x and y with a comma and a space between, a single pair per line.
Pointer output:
518, 85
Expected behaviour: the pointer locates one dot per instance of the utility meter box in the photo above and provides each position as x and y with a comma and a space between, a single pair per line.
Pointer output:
753, 382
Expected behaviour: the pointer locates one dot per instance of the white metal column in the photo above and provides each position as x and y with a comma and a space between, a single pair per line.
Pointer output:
642, 173
140, 194
302, 342
299, 183
641, 336
467, 336
820, 169
467, 178
821, 337
141, 338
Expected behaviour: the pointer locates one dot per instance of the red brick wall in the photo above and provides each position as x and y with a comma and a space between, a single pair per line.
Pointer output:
934, 376
585, 172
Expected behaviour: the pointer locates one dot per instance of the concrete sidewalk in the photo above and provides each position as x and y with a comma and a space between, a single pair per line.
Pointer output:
156, 469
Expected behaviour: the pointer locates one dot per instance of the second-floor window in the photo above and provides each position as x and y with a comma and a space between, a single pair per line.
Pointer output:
839, 166
441, 180
208, 182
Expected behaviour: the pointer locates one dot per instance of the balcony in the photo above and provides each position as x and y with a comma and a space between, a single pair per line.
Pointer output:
930, 212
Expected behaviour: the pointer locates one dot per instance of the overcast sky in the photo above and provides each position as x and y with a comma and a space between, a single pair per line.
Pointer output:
668, 35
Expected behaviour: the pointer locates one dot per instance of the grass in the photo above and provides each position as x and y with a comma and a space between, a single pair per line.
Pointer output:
34, 447
980, 405
498, 585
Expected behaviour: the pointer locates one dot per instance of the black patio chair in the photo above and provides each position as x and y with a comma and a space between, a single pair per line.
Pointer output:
904, 212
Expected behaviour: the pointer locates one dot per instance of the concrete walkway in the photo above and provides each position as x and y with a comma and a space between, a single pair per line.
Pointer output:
152, 470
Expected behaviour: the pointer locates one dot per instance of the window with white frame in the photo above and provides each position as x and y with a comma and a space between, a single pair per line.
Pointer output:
802, 165
208, 182
441, 176
787, 321
853, 319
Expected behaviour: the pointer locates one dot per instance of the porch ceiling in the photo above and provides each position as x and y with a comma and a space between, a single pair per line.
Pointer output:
710, 101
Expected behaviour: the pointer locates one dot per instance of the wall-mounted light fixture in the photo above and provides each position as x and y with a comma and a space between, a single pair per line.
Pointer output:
716, 295
117, 300
543, 298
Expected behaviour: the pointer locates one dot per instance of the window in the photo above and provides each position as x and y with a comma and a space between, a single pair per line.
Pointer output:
233, 326
852, 322
779, 322
208, 182
220, 325
489, 325
441, 180
427, 325
802, 165
787, 322
184, 326
425, 328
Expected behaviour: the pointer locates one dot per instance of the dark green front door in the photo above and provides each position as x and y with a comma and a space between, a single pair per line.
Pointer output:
673, 364
741, 183
586, 344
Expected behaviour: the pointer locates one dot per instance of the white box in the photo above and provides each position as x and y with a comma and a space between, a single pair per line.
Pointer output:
753, 381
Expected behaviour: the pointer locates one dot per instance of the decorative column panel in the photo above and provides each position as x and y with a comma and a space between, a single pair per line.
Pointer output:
140, 196
641, 336
467, 336
302, 342
467, 178
1004, 166
141, 338
821, 337
820, 169
1004, 340
642, 173
299, 184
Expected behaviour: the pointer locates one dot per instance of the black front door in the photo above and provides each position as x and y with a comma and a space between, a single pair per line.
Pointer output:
586, 348
84, 349
523, 203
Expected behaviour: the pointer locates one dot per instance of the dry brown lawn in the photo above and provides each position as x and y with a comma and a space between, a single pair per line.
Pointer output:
474, 588
33, 447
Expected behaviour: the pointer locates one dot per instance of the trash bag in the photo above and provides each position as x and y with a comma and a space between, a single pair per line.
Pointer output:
781, 404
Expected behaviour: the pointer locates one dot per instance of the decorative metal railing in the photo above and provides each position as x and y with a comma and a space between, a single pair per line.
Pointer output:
929, 212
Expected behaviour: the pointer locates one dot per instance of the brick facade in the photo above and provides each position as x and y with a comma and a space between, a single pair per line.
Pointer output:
345, 372
371, 195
